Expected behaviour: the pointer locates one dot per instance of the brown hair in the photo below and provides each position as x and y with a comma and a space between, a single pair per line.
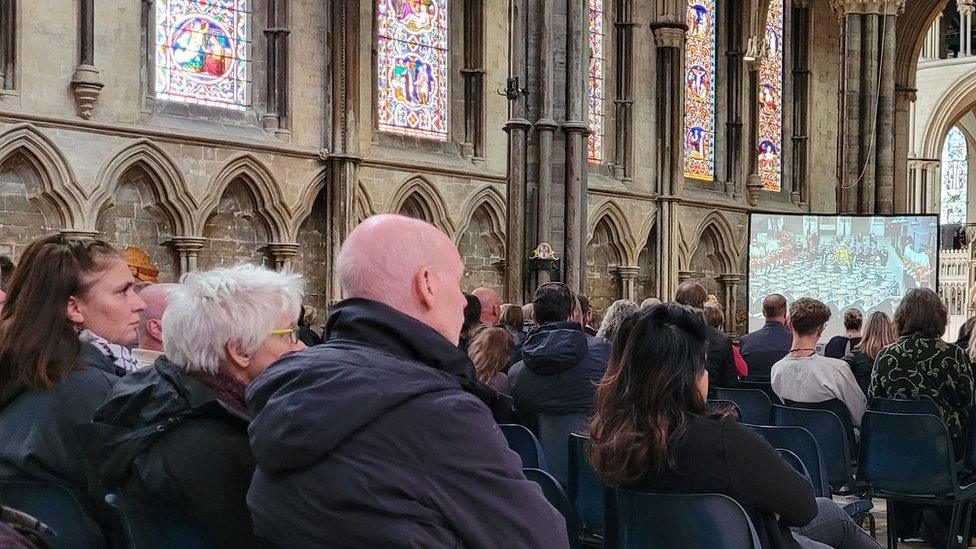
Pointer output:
714, 316
879, 331
489, 350
511, 317
774, 306
38, 344
692, 294
921, 312
807, 315
853, 319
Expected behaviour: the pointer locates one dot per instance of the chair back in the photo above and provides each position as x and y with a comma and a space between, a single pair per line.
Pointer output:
923, 405
523, 442
646, 520
839, 409
54, 505
801, 443
795, 462
907, 454
759, 378
142, 529
764, 386
554, 430
828, 430
753, 404
715, 405
585, 489
557, 498
970, 458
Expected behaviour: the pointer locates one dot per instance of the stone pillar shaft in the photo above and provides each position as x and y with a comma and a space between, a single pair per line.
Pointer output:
627, 276
474, 81
733, 125
576, 129
188, 248
801, 89
277, 69
731, 282
8, 42
904, 97
517, 129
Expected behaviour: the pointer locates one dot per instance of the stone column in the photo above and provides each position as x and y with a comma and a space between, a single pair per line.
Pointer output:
623, 104
576, 129
627, 276
733, 124
8, 43
669, 41
517, 129
276, 35
753, 181
79, 234
474, 78
731, 282
283, 253
904, 97
86, 85
932, 185
683, 276
867, 93
545, 128
188, 248
930, 47
801, 90
966, 8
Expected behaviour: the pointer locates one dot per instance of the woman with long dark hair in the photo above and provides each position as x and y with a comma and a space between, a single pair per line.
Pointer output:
652, 432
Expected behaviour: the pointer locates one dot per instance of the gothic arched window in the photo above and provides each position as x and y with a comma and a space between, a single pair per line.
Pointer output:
203, 52
771, 100
595, 89
412, 68
700, 90
955, 177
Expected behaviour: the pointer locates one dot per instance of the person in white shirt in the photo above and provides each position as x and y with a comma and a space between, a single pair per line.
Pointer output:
151, 324
803, 375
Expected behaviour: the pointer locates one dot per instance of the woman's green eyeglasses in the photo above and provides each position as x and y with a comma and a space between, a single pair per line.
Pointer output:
292, 333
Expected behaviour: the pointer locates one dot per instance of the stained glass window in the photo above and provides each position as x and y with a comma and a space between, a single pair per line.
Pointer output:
411, 72
596, 89
700, 90
203, 52
771, 101
955, 177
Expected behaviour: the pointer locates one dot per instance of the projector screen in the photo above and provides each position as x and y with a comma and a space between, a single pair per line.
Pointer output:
867, 262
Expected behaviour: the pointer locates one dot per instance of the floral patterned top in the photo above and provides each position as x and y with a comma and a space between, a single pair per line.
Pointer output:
915, 366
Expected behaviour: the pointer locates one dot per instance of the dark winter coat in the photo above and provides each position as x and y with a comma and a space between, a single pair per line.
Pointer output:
861, 366
377, 439
559, 369
170, 445
719, 360
39, 438
765, 347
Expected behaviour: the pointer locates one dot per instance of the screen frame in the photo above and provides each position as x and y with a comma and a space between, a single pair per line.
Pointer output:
938, 241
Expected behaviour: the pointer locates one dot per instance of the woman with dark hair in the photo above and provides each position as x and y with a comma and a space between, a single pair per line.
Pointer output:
511, 318
489, 351
839, 346
920, 364
652, 432
71, 314
472, 321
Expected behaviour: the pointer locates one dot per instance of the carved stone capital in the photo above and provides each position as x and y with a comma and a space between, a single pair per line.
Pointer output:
904, 96
878, 7
731, 279
669, 37
966, 7
627, 272
283, 252
754, 186
86, 87
685, 275
188, 245
80, 234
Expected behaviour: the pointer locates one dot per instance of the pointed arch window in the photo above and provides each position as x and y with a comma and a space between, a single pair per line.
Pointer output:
412, 68
771, 101
596, 83
700, 55
955, 177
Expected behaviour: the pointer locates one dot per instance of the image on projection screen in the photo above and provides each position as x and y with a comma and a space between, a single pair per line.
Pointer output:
865, 262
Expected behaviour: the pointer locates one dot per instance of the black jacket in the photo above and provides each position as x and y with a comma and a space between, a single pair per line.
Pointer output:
559, 369
765, 347
376, 439
168, 443
861, 366
39, 438
725, 457
719, 360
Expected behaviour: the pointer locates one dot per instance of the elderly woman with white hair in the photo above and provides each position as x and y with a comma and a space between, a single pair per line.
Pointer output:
172, 439
614, 317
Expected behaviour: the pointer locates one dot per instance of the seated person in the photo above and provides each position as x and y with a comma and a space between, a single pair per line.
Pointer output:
840, 346
70, 313
173, 438
721, 360
803, 375
766, 346
489, 351
560, 364
653, 398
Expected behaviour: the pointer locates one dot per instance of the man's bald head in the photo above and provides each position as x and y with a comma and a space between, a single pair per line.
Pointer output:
407, 264
774, 307
151, 318
491, 305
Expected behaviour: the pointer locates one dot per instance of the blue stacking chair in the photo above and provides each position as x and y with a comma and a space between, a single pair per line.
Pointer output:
715, 404
523, 442
56, 506
145, 529
827, 428
557, 498
796, 463
640, 520
839, 409
764, 386
554, 430
923, 405
585, 490
753, 404
909, 457
800, 442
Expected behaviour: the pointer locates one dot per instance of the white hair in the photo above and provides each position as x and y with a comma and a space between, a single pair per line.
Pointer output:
614, 317
238, 305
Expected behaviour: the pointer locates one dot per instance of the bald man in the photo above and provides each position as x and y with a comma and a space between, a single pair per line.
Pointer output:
151, 323
382, 436
768, 345
491, 305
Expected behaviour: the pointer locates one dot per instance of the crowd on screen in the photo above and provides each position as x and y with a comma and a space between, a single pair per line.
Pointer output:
214, 402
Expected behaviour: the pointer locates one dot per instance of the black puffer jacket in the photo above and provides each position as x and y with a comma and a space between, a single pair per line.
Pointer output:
170, 445
861, 366
559, 369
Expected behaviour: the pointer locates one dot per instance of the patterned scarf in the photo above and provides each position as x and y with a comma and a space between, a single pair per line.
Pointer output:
116, 353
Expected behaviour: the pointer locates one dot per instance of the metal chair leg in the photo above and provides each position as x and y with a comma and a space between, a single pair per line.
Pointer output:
892, 527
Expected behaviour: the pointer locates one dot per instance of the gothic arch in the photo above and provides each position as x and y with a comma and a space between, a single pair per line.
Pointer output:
60, 192
910, 33
489, 198
952, 106
165, 176
259, 180
728, 251
306, 201
430, 199
364, 204
621, 238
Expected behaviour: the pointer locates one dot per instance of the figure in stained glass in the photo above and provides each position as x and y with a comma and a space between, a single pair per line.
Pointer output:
594, 90
955, 177
770, 144
699, 127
